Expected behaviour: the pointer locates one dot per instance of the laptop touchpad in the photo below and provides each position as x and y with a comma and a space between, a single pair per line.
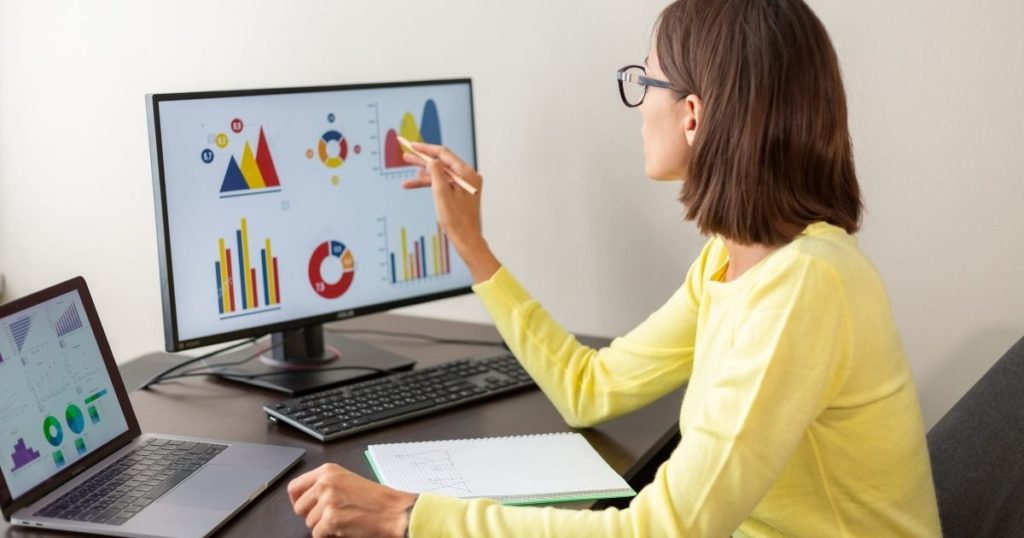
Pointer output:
217, 487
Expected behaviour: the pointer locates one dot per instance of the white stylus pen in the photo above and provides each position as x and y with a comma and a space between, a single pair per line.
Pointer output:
458, 179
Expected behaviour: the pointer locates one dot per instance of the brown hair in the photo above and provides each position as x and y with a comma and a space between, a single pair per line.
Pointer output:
772, 153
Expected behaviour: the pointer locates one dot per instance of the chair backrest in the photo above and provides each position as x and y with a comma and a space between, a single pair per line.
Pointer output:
977, 455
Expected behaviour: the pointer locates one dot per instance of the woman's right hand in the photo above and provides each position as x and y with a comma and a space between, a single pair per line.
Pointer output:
458, 211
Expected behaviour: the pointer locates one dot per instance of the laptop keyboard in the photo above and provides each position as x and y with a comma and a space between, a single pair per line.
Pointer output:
133, 482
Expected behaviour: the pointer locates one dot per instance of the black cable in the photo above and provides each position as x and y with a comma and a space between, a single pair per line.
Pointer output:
233, 363
238, 362
158, 377
435, 339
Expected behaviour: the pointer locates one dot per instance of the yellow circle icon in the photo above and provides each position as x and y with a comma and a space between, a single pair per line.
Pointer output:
222, 140
335, 180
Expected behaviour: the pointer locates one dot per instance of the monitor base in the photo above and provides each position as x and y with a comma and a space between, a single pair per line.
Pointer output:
295, 381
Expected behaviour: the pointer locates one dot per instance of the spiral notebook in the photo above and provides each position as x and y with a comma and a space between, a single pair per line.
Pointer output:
524, 469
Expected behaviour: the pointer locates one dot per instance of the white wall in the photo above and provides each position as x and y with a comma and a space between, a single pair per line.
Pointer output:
937, 125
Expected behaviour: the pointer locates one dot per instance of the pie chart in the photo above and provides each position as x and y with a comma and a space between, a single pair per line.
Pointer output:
75, 418
337, 261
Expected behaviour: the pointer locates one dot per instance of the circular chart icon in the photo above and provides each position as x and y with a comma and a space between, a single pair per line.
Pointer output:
75, 419
329, 257
333, 156
53, 432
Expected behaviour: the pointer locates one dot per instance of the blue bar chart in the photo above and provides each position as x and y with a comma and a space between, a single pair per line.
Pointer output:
20, 330
69, 322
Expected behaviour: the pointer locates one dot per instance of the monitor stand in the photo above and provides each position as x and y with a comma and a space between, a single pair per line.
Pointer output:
303, 360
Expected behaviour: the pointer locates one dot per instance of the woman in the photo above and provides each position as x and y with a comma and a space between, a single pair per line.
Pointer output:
800, 416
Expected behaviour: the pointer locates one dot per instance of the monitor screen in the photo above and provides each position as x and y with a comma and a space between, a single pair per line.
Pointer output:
57, 401
283, 208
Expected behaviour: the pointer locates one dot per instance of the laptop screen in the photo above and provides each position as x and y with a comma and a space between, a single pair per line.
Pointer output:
57, 401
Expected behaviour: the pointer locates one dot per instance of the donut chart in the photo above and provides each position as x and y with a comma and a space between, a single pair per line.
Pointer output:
333, 160
53, 431
343, 255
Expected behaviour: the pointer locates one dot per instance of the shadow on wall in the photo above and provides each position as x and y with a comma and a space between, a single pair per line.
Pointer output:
957, 371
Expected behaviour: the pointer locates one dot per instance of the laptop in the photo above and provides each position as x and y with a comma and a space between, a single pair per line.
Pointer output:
72, 456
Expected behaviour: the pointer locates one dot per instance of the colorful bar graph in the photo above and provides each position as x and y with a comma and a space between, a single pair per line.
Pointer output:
427, 257
256, 277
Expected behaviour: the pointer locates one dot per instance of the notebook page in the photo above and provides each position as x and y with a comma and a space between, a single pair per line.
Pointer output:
531, 468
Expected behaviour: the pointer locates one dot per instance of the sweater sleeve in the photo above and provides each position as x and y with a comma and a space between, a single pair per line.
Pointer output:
587, 385
789, 348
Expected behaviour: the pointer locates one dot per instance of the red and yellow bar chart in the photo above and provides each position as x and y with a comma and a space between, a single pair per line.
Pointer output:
425, 257
239, 285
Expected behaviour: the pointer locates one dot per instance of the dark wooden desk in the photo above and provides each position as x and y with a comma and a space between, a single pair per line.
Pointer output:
208, 407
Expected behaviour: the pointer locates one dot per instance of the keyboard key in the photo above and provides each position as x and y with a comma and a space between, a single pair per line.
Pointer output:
166, 486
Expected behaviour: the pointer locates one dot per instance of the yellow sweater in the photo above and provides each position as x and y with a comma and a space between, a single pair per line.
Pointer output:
800, 416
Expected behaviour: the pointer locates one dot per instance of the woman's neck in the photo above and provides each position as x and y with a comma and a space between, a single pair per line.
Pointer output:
743, 257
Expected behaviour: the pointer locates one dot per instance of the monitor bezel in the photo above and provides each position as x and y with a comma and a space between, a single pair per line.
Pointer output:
172, 341
9, 505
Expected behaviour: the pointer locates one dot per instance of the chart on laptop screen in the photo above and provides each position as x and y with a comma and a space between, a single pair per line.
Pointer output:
57, 402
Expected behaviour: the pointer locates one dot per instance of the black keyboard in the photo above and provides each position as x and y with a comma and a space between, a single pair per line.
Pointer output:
349, 409
133, 482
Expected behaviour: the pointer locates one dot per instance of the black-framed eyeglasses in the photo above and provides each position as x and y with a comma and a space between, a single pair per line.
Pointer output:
633, 84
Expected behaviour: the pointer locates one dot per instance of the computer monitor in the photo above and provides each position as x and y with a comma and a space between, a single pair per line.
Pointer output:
278, 210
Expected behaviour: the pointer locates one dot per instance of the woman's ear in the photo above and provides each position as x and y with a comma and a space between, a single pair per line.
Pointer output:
693, 110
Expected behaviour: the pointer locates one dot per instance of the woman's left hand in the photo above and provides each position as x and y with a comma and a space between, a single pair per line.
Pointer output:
338, 502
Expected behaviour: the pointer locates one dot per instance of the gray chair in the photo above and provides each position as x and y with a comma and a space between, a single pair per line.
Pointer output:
977, 453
